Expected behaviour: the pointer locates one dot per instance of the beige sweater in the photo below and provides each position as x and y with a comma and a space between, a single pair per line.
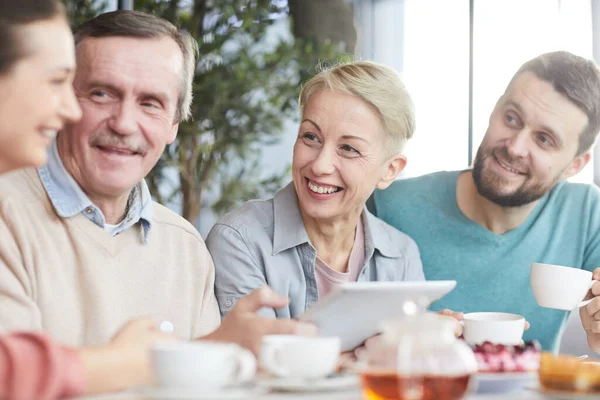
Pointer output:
74, 280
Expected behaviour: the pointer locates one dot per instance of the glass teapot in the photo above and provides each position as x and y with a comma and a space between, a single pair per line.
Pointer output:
417, 357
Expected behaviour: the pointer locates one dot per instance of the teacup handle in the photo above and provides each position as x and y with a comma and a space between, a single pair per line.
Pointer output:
586, 302
271, 360
246, 366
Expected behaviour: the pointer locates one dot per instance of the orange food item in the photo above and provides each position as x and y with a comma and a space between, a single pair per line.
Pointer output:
567, 373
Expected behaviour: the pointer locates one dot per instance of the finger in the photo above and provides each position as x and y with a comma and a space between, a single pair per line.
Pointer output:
449, 313
347, 358
596, 274
593, 307
372, 341
262, 297
527, 325
595, 290
287, 327
148, 323
595, 327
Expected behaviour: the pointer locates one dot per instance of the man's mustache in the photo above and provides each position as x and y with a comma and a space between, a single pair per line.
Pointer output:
501, 153
121, 142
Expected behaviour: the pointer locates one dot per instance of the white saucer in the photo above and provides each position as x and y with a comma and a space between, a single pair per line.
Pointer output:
340, 382
166, 393
495, 382
558, 395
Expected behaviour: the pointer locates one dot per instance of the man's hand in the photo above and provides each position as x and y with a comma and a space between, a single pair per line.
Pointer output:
590, 314
244, 327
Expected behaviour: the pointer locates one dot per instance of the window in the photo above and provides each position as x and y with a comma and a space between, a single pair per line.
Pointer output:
428, 40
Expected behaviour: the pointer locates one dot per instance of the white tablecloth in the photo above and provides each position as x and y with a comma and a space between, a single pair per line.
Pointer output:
345, 395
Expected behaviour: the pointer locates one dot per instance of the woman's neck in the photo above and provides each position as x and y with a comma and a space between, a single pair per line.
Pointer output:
333, 239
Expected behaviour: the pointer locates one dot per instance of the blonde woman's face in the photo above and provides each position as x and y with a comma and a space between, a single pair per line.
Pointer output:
339, 156
37, 97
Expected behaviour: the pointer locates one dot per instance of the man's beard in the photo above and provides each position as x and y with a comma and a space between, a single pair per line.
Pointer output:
488, 185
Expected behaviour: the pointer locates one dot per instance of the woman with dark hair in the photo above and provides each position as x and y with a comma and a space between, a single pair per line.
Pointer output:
37, 64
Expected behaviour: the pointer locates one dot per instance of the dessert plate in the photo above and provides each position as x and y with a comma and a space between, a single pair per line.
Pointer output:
559, 395
495, 382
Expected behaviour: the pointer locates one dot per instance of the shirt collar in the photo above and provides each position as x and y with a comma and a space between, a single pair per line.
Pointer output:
378, 235
68, 199
289, 230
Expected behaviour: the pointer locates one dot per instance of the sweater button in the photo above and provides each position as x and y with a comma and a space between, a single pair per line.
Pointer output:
228, 303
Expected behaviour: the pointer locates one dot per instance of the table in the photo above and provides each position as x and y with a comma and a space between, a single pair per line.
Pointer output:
345, 395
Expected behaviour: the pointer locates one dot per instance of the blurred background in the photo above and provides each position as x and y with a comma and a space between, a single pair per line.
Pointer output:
456, 56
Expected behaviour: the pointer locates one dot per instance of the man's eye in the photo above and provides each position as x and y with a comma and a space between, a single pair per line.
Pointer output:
99, 94
545, 140
309, 136
511, 119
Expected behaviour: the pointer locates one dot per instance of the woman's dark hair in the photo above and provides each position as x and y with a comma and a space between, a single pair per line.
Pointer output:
13, 15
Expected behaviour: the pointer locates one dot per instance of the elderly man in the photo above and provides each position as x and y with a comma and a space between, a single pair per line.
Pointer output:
84, 248
484, 227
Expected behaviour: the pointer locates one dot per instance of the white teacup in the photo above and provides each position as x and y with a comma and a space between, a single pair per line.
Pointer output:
299, 356
497, 328
559, 287
201, 364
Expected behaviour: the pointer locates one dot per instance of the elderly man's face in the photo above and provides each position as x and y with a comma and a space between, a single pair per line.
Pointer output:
530, 144
340, 156
127, 89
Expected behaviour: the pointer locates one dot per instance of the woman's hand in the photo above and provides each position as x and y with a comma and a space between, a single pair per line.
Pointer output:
457, 316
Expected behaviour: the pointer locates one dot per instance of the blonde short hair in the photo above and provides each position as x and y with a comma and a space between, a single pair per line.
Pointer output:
379, 86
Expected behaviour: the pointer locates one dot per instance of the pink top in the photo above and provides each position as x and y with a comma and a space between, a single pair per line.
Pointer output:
32, 367
328, 278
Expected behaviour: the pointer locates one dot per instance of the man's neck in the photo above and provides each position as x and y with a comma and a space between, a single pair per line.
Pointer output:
113, 208
491, 216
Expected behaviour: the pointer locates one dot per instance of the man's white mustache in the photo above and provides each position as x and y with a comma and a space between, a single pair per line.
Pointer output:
120, 143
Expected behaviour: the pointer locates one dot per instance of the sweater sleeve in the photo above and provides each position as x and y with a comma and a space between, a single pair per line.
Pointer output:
33, 367
209, 318
17, 286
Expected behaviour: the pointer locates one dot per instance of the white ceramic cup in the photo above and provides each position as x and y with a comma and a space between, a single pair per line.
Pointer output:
497, 328
293, 356
559, 287
201, 364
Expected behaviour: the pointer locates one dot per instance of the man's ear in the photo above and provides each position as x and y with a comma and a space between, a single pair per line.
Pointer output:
577, 165
392, 167
173, 134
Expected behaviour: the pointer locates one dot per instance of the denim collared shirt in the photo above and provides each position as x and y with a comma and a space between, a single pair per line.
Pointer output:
265, 243
69, 199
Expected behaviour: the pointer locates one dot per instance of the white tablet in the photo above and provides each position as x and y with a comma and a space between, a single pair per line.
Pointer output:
355, 310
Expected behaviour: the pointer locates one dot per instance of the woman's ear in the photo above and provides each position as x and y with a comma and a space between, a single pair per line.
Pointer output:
392, 168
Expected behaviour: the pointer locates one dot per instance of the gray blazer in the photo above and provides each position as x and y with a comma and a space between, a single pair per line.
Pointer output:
264, 242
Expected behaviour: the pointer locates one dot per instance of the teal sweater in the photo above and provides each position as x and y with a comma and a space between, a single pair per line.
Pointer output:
492, 270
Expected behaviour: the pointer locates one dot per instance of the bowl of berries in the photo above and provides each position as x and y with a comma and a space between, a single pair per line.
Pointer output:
503, 368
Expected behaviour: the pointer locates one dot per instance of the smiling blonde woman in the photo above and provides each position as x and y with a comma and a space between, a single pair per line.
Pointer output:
316, 232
